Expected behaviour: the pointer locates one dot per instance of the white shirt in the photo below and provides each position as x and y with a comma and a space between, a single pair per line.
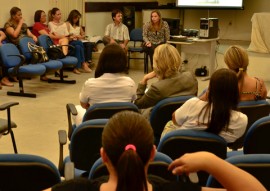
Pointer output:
58, 29
117, 32
187, 118
108, 88
76, 31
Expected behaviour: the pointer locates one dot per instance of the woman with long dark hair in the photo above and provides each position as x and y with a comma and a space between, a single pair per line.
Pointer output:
218, 114
74, 28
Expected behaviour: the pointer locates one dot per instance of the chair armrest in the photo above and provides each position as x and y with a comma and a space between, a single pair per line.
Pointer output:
8, 105
69, 171
16, 68
62, 136
71, 110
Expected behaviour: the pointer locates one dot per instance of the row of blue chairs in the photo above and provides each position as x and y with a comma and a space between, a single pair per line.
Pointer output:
18, 65
83, 153
31, 172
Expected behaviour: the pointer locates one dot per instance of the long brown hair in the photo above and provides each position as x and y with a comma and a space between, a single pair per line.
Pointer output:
152, 28
223, 97
129, 128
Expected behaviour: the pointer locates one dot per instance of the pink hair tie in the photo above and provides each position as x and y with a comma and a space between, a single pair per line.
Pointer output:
130, 146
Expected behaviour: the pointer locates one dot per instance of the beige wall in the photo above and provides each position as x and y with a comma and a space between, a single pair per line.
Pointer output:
28, 8
240, 28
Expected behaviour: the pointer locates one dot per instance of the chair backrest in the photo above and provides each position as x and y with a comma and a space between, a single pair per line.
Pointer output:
23, 43
162, 113
178, 142
107, 110
158, 167
254, 111
5, 51
256, 164
257, 138
27, 172
136, 35
85, 143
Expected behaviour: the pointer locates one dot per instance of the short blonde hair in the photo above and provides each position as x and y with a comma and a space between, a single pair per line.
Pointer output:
166, 61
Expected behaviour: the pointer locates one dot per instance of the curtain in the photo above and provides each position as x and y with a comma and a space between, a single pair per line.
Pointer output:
67, 5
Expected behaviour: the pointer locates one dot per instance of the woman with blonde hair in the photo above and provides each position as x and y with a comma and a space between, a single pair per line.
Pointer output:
250, 88
155, 32
171, 82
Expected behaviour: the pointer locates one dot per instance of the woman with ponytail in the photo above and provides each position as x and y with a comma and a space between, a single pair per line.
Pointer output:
128, 147
250, 88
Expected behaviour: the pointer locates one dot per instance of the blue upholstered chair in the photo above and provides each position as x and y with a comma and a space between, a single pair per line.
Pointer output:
99, 111
256, 139
137, 38
254, 111
256, 164
14, 63
158, 167
27, 172
6, 125
68, 61
51, 65
178, 142
84, 146
162, 113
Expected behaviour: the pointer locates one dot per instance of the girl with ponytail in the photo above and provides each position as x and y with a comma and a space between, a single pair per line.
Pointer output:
250, 88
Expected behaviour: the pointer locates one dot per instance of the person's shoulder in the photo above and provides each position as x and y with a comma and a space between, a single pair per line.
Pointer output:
161, 184
8, 24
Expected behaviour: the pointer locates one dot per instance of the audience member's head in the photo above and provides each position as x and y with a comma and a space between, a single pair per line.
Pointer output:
15, 14
74, 17
223, 97
127, 148
166, 61
107, 40
112, 59
54, 12
38, 15
115, 12
236, 58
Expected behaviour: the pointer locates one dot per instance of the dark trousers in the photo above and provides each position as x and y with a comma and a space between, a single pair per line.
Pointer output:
88, 49
150, 52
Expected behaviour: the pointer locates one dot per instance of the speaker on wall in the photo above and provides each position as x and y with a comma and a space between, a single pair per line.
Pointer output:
129, 17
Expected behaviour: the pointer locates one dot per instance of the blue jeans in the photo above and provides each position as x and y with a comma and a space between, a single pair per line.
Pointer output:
78, 52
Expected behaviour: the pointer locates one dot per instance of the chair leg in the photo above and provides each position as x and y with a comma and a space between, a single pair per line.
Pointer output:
62, 80
21, 93
145, 63
11, 131
13, 141
128, 60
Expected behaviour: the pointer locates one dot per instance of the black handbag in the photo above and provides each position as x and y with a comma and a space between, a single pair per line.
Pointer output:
54, 51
